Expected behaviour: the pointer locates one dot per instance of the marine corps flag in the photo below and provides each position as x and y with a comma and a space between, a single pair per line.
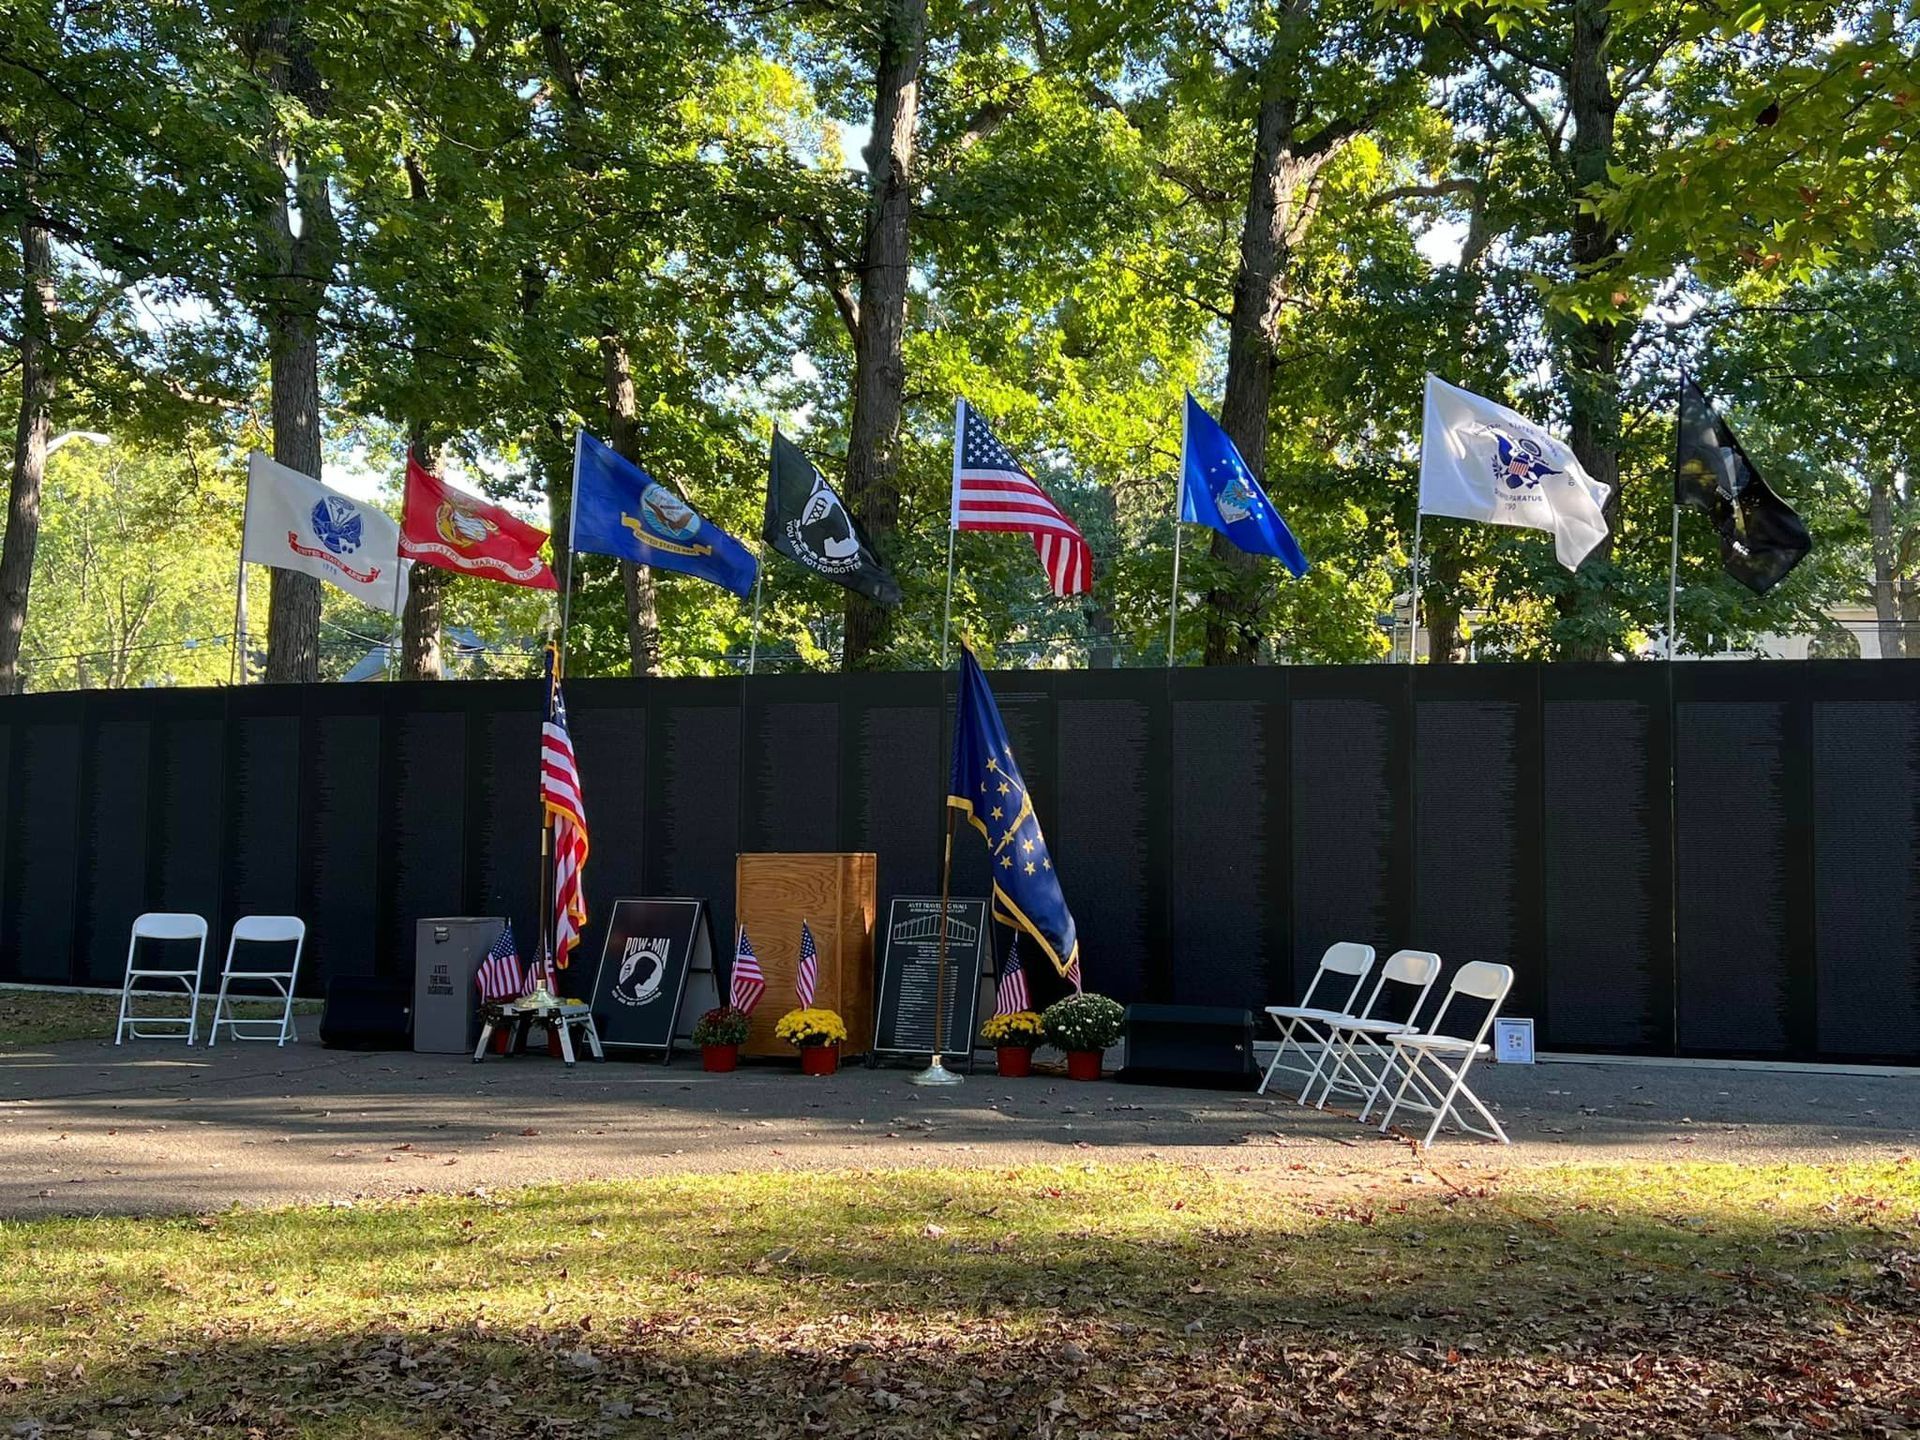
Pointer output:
1761, 536
442, 526
807, 523
986, 787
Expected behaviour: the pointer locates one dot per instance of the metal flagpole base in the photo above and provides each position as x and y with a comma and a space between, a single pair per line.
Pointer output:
937, 1074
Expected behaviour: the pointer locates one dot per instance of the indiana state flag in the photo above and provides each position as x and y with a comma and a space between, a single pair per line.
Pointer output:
1218, 490
986, 786
619, 509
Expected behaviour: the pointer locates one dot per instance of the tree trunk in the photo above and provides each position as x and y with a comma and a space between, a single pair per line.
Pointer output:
1886, 569
37, 387
303, 262
420, 623
643, 614
879, 373
1593, 347
1234, 608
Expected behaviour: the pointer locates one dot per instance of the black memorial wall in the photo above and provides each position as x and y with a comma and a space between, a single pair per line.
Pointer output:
1723, 860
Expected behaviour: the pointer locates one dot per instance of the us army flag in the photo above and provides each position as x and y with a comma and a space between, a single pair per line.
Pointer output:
296, 523
1482, 461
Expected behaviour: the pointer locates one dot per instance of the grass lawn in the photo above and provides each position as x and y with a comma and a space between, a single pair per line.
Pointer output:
45, 1017
1133, 1300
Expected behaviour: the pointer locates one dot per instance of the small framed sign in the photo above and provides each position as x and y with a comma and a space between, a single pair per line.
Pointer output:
656, 973
1513, 1042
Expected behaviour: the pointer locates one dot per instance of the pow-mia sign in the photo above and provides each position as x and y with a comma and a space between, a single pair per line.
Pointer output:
655, 976
809, 524
643, 969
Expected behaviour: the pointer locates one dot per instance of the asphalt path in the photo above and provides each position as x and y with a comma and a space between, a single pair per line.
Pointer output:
152, 1127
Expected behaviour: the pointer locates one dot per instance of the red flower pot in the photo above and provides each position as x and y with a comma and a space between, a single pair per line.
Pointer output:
1084, 1064
819, 1059
1016, 1061
720, 1058
553, 1042
502, 1041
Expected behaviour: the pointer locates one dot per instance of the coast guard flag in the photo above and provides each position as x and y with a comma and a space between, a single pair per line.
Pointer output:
985, 785
1482, 461
1219, 491
296, 523
619, 509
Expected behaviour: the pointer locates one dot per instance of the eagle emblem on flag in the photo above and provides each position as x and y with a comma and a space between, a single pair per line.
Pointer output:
336, 523
1519, 463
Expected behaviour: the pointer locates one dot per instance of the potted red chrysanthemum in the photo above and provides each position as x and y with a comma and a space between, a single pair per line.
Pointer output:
720, 1033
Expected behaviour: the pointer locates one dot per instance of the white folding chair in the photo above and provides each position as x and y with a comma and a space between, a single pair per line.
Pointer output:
1440, 1095
1356, 1045
162, 925
1344, 959
261, 930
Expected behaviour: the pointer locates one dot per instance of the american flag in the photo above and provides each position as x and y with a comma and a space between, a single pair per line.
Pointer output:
749, 981
809, 974
499, 974
993, 491
1011, 998
1073, 974
539, 973
560, 794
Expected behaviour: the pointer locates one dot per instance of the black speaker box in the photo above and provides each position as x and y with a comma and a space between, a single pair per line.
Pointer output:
1206, 1046
364, 1012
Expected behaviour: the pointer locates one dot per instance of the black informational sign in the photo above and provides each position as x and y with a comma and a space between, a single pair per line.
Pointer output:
655, 975
910, 961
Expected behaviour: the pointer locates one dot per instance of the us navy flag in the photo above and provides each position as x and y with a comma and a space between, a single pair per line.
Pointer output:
985, 785
1761, 536
619, 509
807, 523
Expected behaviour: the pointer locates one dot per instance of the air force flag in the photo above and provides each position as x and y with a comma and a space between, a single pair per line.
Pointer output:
1482, 461
619, 509
986, 787
1219, 491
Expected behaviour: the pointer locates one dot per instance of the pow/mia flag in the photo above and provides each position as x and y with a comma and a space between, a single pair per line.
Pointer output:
807, 523
1761, 536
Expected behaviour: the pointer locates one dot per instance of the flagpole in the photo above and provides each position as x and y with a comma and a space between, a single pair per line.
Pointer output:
1179, 494
1413, 599
937, 1073
1673, 580
753, 644
573, 529
953, 517
240, 590
240, 623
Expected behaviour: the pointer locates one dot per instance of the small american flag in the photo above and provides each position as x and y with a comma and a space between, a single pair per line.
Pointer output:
749, 981
1011, 998
993, 491
499, 974
560, 794
809, 975
1073, 974
539, 973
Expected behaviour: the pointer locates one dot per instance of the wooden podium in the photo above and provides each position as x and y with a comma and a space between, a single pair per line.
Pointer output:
834, 895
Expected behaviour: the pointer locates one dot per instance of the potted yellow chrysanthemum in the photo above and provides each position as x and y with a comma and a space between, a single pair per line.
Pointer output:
817, 1035
1014, 1038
